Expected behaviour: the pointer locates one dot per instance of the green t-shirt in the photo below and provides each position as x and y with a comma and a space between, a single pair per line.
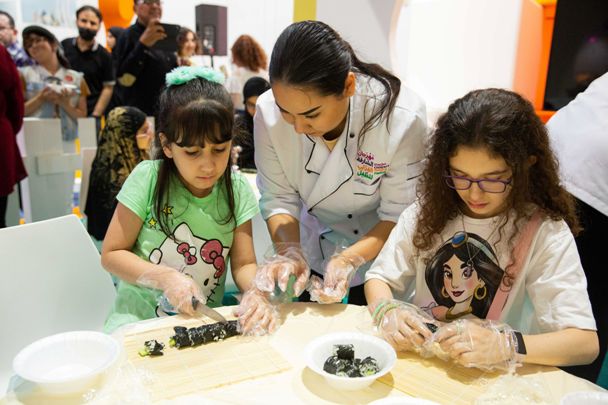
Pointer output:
203, 239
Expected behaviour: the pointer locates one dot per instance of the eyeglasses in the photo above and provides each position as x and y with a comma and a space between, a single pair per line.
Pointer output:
150, 2
487, 185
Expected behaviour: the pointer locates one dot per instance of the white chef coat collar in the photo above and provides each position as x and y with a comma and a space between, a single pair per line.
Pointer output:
332, 168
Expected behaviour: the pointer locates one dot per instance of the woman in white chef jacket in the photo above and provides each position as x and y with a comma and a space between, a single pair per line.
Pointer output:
338, 147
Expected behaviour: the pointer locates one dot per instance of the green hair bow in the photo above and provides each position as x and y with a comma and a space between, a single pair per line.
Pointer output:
184, 74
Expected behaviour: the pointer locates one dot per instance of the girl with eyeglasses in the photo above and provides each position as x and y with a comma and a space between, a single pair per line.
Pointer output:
486, 258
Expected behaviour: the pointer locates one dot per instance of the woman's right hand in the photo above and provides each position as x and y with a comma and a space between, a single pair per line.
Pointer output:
153, 33
178, 288
402, 325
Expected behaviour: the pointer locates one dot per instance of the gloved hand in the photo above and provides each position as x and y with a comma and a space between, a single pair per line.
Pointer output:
278, 267
257, 316
178, 288
339, 271
483, 344
404, 326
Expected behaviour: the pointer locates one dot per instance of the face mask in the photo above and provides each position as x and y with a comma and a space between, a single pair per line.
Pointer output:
86, 33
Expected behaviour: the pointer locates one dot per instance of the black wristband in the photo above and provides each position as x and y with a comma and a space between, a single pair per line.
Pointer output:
519, 342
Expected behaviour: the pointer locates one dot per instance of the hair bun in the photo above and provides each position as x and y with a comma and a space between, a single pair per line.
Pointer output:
184, 74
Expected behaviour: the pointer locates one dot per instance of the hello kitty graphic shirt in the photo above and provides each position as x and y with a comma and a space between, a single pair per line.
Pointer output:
199, 243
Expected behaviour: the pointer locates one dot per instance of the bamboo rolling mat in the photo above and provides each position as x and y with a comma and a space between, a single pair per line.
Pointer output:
438, 380
195, 369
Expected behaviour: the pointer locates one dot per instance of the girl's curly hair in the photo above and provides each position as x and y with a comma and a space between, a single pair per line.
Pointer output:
506, 125
246, 52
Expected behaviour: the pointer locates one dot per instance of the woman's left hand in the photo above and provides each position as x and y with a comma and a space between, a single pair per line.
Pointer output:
338, 273
478, 343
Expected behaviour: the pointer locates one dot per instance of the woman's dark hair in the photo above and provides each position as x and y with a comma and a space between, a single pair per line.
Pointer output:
246, 52
506, 125
116, 31
181, 40
485, 267
92, 9
310, 54
192, 114
48, 37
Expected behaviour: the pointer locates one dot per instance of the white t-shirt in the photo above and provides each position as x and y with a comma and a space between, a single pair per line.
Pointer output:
36, 77
549, 294
235, 83
578, 136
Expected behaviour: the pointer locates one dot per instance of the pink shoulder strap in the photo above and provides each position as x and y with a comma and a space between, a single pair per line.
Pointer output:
520, 253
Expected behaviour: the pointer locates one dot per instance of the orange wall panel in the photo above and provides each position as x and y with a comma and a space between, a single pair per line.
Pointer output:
116, 13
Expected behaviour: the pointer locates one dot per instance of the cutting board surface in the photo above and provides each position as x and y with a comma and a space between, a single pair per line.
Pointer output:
196, 369
438, 380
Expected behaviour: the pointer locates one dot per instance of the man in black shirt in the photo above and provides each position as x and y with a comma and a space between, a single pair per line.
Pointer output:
141, 68
87, 56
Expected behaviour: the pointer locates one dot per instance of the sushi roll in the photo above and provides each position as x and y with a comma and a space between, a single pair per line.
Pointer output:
368, 366
352, 371
181, 338
203, 334
345, 352
335, 365
343, 363
152, 348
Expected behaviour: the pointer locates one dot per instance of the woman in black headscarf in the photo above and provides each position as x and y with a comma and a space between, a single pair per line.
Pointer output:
253, 88
117, 155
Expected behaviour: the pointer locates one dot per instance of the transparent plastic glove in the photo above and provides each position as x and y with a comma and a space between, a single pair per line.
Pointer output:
483, 344
257, 316
178, 288
339, 271
404, 326
284, 260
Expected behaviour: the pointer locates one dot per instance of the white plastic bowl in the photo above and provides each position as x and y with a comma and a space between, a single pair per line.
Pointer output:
67, 362
319, 349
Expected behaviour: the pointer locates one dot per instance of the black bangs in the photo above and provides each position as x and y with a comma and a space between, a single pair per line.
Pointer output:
199, 122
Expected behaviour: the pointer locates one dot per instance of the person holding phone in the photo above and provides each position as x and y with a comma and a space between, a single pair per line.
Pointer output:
141, 67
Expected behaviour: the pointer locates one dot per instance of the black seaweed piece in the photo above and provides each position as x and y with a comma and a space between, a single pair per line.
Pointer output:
345, 352
154, 348
432, 327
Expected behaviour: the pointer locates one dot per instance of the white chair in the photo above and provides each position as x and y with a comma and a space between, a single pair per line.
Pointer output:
48, 190
87, 133
52, 282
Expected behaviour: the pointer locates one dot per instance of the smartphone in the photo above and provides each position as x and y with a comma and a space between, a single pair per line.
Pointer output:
169, 44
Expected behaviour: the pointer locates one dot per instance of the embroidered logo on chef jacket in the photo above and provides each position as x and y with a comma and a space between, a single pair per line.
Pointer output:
368, 170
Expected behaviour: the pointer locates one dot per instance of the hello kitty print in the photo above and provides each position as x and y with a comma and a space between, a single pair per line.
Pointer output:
203, 260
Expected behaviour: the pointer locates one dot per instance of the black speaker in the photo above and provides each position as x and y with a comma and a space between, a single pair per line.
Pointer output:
579, 49
212, 29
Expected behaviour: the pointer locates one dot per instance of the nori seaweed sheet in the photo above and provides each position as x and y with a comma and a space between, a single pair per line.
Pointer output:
186, 337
